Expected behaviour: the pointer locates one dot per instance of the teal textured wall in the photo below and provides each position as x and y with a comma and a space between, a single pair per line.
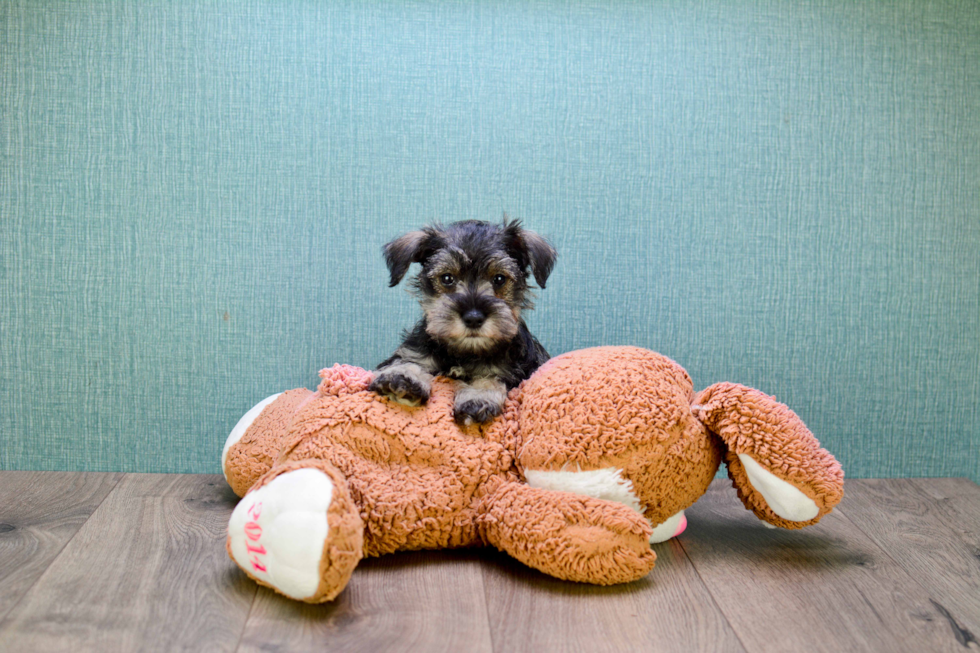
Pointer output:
194, 195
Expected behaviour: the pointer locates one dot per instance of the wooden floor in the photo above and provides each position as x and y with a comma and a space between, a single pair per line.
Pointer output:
125, 562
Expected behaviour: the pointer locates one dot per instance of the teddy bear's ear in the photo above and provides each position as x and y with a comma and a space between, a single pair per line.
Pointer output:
530, 250
778, 467
413, 247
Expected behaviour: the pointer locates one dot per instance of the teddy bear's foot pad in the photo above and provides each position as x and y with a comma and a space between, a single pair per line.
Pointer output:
277, 532
783, 498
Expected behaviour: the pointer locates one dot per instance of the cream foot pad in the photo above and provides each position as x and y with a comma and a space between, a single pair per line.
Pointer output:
277, 532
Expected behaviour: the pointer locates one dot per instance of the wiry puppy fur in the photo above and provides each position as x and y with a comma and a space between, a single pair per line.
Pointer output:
472, 288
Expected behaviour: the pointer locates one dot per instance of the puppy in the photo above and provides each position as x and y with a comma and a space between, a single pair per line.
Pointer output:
473, 287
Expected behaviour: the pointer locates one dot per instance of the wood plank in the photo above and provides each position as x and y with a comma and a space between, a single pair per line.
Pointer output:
39, 513
147, 571
426, 601
825, 588
668, 610
906, 522
956, 501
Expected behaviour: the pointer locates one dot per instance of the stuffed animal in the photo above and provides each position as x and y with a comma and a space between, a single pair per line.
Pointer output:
595, 457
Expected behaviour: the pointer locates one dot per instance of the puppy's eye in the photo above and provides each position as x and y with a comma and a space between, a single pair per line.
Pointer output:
447, 279
498, 280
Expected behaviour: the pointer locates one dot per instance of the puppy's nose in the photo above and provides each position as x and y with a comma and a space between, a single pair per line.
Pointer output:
473, 318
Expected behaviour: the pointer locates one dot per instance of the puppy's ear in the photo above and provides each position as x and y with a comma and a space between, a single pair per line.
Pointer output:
413, 247
530, 249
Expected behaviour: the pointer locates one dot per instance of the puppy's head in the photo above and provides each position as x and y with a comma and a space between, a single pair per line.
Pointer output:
474, 279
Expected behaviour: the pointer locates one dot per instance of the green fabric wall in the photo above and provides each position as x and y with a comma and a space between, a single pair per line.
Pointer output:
194, 195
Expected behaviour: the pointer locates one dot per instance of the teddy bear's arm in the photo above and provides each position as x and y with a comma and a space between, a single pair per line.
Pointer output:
568, 536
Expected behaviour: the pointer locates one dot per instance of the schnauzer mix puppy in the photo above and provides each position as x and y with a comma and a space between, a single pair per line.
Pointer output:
472, 287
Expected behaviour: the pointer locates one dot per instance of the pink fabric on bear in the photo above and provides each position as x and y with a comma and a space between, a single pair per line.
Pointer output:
343, 380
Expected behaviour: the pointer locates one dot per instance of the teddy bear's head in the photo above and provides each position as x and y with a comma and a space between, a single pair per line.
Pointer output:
620, 418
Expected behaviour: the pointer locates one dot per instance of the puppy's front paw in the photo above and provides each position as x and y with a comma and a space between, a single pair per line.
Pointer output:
480, 400
405, 388
476, 410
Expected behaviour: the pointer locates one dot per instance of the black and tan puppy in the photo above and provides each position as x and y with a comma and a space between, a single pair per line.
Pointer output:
473, 287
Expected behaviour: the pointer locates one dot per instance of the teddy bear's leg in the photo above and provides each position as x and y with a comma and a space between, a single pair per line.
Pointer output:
253, 445
566, 535
776, 464
298, 531
243, 425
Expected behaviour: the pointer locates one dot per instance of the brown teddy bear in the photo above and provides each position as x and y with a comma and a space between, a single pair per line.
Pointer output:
596, 455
